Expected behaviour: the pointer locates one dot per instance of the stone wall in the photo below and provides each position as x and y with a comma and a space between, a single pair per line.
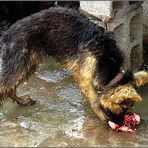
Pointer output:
145, 33
145, 20
125, 20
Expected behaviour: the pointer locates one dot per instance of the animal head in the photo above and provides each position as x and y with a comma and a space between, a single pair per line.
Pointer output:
115, 103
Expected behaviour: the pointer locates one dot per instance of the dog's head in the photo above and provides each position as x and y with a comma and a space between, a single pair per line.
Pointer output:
115, 103
119, 95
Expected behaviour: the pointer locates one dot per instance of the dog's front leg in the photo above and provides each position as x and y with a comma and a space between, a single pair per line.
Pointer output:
84, 75
89, 91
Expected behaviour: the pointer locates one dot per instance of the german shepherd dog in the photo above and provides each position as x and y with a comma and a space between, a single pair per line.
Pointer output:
76, 43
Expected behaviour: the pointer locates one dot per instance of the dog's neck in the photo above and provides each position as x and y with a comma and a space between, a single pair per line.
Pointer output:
115, 80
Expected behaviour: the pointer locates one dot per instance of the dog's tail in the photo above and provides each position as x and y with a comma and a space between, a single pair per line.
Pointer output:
140, 78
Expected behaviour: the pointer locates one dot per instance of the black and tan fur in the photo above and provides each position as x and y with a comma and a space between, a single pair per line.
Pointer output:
78, 44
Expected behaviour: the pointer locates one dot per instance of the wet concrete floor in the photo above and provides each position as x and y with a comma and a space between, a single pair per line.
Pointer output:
61, 117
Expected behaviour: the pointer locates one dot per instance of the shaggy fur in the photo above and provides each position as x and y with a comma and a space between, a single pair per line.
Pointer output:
75, 42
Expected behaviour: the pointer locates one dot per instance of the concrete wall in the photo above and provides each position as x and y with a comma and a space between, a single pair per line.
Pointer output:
145, 20
145, 33
125, 20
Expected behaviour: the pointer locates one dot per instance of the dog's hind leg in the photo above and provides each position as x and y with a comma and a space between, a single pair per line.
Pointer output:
16, 69
21, 101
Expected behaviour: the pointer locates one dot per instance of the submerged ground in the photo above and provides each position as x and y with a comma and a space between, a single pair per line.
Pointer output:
61, 117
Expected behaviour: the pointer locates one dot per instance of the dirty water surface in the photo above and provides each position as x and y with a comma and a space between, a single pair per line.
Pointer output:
61, 117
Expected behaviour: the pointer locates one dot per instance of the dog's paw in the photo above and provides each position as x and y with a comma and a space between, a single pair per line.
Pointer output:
27, 102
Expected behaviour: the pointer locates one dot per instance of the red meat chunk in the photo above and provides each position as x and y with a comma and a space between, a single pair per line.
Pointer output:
129, 123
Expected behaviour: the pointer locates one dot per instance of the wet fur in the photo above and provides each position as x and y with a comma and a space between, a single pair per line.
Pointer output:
61, 33
72, 39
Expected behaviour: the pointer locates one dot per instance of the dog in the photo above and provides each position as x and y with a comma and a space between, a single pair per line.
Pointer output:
77, 43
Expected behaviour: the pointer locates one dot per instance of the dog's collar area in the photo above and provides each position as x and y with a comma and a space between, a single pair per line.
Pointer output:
123, 71
116, 79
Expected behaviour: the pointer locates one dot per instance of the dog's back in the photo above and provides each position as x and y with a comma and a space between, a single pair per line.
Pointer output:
52, 32
56, 32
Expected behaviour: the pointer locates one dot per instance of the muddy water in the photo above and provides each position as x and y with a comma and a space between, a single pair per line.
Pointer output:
61, 117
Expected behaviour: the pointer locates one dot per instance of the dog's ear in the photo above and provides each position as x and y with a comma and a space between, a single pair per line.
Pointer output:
140, 78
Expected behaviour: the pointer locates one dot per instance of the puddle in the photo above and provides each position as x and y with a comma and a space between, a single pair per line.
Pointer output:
61, 117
